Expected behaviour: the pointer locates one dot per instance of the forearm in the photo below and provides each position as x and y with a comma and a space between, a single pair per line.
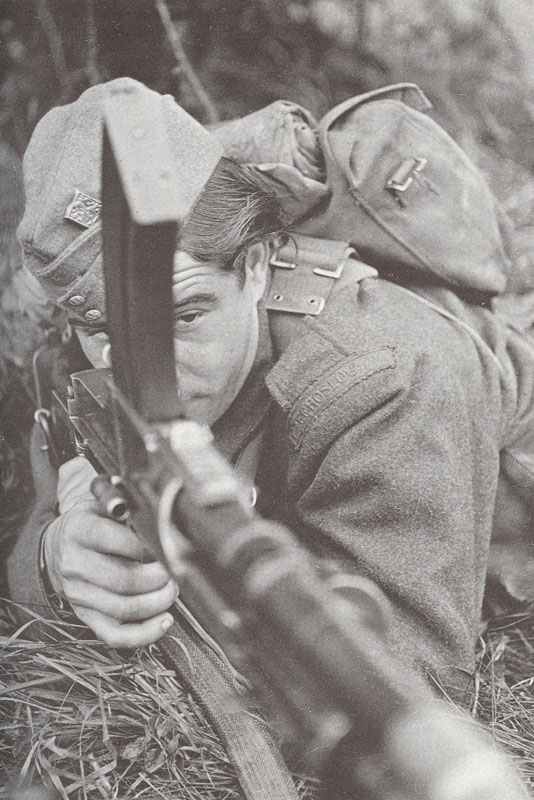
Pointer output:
25, 581
24, 577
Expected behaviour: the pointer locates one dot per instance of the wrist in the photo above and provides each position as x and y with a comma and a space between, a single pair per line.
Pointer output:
51, 586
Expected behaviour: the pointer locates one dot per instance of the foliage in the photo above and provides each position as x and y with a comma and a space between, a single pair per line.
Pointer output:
469, 57
503, 698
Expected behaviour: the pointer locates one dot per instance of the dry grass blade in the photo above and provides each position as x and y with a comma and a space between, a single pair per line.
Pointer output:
505, 677
93, 724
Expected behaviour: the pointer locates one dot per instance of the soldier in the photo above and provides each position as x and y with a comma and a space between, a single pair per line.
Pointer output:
377, 429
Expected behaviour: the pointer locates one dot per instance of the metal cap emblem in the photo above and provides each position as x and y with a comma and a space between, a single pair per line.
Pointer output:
83, 209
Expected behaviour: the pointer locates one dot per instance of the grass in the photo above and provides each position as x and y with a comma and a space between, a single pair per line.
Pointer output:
91, 723
503, 697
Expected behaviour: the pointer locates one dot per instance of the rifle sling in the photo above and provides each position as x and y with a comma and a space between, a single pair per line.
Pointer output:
259, 766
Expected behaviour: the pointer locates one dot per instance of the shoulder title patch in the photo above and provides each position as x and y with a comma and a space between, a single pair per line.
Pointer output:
83, 209
322, 396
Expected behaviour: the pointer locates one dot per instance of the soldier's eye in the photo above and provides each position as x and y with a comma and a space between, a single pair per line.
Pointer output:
186, 319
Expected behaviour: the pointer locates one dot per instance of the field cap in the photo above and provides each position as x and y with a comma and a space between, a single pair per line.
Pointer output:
60, 231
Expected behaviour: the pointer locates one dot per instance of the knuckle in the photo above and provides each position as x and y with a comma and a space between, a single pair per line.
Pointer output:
137, 579
123, 609
120, 583
171, 591
69, 563
113, 639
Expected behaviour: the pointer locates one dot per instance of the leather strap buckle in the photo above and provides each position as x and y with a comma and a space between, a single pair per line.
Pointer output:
304, 271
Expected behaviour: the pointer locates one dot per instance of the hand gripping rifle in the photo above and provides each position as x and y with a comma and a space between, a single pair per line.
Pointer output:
372, 730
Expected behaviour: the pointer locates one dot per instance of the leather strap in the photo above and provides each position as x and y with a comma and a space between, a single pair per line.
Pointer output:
260, 769
305, 272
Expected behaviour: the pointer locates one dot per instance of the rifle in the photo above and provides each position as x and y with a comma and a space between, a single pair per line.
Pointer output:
372, 728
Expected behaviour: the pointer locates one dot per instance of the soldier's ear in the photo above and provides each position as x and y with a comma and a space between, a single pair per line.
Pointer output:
257, 267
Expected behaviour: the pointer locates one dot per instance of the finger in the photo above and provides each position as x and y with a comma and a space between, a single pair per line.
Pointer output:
123, 608
129, 635
122, 576
103, 535
176, 550
74, 485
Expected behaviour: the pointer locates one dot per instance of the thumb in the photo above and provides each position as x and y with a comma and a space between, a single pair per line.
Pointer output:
74, 486
43, 473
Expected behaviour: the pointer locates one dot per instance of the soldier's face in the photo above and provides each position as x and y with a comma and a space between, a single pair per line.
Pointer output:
216, 333
215, 330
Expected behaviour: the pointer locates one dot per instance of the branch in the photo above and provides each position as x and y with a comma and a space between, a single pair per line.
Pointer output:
51, 31
92, 71
183, 65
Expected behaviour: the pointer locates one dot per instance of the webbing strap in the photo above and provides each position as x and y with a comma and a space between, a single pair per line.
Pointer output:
260, 769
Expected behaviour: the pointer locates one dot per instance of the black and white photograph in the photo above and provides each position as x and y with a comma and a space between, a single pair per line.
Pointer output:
266, 400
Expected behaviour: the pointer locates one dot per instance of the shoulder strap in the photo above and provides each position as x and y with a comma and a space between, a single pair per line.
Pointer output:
305, 270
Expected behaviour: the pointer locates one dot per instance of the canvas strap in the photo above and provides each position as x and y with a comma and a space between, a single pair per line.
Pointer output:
260, 769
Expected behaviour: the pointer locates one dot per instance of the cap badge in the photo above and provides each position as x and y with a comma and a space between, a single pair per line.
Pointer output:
83, 209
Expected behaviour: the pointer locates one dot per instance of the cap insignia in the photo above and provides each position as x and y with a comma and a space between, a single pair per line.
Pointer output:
83, 209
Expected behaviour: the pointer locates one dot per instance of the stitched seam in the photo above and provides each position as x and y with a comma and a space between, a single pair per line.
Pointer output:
86, 279
319, 329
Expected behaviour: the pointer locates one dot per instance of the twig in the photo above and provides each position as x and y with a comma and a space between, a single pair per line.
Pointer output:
92, 71
55, 44
183, 63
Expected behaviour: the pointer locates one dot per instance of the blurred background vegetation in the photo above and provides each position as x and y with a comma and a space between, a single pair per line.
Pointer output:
473, 58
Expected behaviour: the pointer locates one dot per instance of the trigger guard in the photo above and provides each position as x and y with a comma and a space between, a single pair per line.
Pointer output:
174, 545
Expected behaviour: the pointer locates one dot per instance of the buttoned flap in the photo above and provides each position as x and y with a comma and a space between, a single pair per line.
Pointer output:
85, 298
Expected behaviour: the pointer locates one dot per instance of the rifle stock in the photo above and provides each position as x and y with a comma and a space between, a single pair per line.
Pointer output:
370, 726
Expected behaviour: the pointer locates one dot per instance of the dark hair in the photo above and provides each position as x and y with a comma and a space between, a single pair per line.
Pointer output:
233, 211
